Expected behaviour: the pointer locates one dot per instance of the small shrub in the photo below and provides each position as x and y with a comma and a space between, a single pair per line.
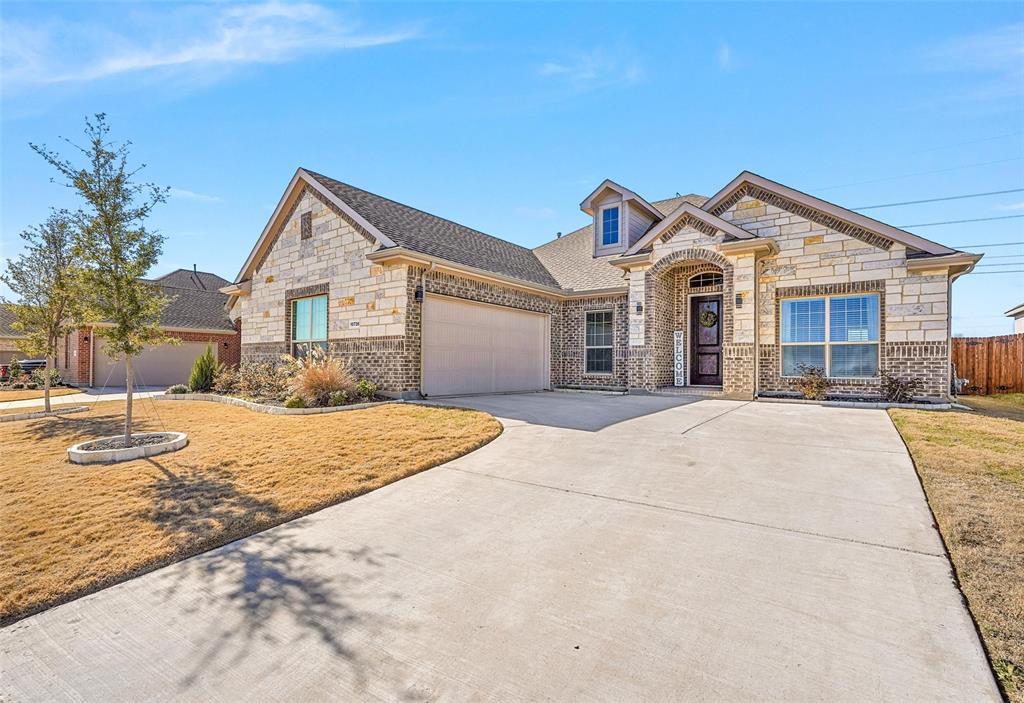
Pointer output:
17, 386
318, 376
264, 380
812, 384
226, 380
14, 368
900, 390
177, 389
294, 401
39, 377
337, 398
366, 389
31, 386
204, 370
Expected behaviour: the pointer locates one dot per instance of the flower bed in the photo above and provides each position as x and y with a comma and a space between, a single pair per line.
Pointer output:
272, 408
106, 450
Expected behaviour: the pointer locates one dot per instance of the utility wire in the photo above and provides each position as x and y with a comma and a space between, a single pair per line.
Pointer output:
960, 222
1011, 263
985, 273
939, 200
919, 173
980, 246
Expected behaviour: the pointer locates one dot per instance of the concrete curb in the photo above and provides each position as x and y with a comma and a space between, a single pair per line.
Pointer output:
271, 409
882, 405
76, 455
33, 414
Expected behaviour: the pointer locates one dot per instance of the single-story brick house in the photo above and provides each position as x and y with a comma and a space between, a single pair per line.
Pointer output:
728, 294
196, 315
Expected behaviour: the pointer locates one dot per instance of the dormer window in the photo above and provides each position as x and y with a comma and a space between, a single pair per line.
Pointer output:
610, 226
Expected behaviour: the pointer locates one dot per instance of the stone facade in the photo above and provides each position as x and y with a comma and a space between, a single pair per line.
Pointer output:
375, 321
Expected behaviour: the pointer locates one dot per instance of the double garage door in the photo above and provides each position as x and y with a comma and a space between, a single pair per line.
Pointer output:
477, 348
163, 366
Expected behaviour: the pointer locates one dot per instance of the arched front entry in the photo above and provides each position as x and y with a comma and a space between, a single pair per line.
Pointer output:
688, 299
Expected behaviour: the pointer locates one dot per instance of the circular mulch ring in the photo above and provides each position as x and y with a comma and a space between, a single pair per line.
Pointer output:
106, 450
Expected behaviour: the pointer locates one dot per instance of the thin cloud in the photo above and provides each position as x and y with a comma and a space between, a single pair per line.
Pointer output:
183, 194
726, 60
218, 37
994, 58
595, 69
536, 213
1012, 206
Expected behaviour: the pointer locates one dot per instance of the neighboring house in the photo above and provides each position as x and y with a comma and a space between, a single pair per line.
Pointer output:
196, 316
728, 294
8, 337
1016, 313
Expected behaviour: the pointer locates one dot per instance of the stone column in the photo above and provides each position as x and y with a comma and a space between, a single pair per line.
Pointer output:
738, 352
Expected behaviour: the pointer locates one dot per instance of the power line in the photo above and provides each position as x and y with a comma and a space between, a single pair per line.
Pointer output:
981, 246
960, 222
985, 273
920, 173
939, 200
1003, 256
1011, 263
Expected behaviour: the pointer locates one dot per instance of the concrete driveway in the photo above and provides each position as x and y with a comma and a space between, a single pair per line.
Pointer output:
602, 549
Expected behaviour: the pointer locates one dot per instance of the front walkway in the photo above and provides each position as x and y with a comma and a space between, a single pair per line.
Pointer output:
86, 397
604, 548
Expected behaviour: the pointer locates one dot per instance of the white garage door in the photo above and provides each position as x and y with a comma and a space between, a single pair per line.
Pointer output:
476, 348
163, 366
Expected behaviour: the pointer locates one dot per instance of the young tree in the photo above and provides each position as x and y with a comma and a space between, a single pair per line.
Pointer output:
114, 246
45, 279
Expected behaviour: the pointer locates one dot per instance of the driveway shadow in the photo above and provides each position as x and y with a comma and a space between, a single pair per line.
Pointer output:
573, 411
261, 595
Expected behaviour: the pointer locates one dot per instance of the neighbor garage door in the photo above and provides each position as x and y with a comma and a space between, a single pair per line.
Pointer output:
477, 348
164, 365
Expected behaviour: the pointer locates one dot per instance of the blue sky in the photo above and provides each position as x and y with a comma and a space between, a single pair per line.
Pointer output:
504, 117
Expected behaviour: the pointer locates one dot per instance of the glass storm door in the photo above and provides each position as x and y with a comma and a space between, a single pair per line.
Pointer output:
706, 344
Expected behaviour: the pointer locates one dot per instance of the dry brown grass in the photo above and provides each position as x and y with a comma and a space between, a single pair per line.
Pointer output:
972, 468
32, 395
69, 530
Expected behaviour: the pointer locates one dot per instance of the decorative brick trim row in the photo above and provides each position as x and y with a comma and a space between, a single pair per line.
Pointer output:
688, 219
808, 213
874, 286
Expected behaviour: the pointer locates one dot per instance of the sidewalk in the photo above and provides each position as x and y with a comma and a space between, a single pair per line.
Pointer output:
87, 396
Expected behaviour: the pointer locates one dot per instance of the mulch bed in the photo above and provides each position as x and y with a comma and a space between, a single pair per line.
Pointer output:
139, 440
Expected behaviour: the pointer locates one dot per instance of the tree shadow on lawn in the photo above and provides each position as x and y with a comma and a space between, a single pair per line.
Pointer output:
85, 426
262, 595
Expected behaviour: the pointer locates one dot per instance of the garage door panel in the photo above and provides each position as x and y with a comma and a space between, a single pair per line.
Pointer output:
474, 348
162, 365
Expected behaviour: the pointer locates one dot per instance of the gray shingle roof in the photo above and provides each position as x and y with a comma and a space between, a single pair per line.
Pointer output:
6, 318
570, 258
198, 280
191, 308
428, 234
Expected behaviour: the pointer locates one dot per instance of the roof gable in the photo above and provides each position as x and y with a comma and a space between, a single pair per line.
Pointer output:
688, 213
626, 194
820, 211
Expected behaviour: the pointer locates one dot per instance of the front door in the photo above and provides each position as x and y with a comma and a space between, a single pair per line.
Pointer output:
706, 340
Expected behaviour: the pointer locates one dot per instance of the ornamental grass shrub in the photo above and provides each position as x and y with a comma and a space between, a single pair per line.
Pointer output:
204, 370
319, 376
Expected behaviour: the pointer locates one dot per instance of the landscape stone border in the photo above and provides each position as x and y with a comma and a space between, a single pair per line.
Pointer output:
33, 414
880, 404
271, 409
77, 455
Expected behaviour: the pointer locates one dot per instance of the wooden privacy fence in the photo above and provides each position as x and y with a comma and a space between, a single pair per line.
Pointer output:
990, 364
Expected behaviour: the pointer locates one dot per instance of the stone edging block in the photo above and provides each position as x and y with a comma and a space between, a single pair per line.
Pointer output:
270, 409
33, 414
76, 455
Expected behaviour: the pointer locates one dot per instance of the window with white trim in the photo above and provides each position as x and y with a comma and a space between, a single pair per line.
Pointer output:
706, 278
610, 226
309, 325
837, 333
598, 341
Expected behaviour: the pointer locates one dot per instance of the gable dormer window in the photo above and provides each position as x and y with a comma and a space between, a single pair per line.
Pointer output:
610, 226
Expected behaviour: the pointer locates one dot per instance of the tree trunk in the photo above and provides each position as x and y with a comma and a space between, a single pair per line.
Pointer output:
128, 400
46, 385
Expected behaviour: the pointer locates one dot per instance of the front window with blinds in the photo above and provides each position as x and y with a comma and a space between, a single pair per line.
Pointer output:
309, 325
598, 342
836, 333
